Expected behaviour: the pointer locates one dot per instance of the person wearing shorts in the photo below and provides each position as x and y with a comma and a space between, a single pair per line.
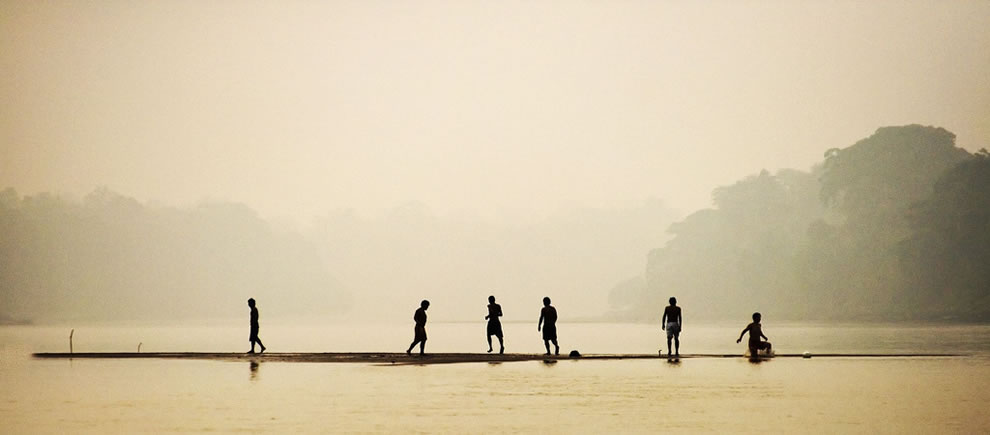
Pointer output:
548, 323
253, 337
419, 331
494, 324
755, 330
671, 322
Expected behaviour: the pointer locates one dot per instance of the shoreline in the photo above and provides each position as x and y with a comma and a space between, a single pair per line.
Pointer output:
387, 358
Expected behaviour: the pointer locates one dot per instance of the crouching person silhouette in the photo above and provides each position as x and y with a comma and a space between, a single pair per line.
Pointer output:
755, 330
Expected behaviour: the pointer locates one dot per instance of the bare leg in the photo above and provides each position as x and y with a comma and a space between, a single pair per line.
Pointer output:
669, 353
556, 346
547, 344
260, 344
677, 345
490, 343
501, 345
252, 347
422, 347
411, 346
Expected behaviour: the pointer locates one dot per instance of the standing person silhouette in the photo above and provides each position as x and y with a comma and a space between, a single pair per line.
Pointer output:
253, 338
755, 333
671, 321
549, 315
494, 324
420, 329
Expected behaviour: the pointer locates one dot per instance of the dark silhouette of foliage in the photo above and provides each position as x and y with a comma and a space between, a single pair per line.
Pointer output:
946, 259
895, 226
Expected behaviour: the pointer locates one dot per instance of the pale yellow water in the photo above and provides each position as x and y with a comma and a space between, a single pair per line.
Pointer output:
902, 395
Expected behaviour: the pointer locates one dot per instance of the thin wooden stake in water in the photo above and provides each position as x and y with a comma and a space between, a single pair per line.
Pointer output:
139, 347
70, 339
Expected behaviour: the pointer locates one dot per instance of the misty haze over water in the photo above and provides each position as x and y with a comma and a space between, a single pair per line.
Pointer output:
893, 227
342, 162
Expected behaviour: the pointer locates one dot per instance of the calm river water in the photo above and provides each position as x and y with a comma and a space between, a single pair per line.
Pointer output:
830, 395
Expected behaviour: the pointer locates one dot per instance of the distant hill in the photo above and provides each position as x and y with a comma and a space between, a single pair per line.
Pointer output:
109, 257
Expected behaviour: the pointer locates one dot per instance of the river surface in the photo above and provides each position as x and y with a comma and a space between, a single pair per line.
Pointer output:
817, 395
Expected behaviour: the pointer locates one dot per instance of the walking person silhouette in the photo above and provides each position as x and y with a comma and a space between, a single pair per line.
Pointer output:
548, 320
420, 329
253, 338
494, 324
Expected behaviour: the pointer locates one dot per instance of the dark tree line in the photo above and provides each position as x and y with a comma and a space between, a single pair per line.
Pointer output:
893, 227
946, 259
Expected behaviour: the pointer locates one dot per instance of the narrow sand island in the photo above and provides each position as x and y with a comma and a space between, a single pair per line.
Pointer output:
437, 358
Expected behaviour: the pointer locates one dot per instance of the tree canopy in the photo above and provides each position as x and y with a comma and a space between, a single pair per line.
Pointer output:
893, 227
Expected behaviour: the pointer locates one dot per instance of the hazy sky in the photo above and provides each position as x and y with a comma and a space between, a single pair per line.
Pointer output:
494, 108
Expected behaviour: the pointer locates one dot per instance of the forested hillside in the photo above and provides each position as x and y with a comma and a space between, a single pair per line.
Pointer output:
893, 227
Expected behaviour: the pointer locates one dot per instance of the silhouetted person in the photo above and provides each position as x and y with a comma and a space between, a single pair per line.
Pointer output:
671, 321
548, 320
420, 329
494, 324
254, 327
755, 333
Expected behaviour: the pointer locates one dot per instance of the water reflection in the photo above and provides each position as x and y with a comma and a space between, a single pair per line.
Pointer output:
254, 369
797, 395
